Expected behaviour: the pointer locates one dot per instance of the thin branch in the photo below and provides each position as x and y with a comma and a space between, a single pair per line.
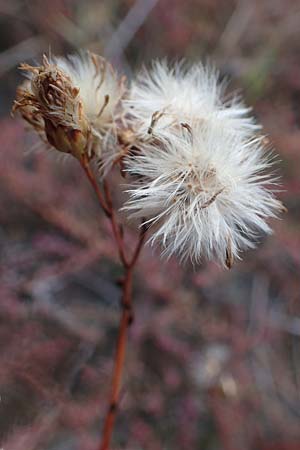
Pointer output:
117, 230
126, 300
85, 165
126, 320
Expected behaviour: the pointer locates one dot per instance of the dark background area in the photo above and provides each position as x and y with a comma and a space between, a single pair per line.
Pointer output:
213, 361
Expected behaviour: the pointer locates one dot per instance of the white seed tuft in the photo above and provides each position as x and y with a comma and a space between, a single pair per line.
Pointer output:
164, 96
204, 191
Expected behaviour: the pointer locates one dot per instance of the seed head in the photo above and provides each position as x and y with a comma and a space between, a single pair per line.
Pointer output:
72, 103
163, 97
204, 191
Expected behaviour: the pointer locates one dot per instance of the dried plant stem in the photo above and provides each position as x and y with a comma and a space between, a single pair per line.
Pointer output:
126, 320
126, 301
86, 167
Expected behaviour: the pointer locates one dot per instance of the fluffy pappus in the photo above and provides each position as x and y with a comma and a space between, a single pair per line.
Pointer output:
165, 95
100, 87
205, 192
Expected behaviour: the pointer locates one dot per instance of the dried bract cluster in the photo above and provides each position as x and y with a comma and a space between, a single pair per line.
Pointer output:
72, 103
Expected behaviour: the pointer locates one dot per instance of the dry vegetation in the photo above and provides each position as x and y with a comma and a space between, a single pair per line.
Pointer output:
213, 361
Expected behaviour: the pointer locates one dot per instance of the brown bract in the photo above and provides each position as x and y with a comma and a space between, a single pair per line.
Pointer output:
51, 104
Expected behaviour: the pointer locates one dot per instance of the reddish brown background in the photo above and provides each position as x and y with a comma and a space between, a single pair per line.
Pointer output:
214, 357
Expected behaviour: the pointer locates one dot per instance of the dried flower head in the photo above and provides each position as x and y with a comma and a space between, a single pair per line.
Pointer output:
72, 103
204, 191
165, 96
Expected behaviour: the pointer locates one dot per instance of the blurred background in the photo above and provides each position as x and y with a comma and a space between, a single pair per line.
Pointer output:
213, 361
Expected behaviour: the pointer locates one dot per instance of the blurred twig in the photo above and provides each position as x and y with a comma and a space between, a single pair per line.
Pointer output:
128, 28
27, 49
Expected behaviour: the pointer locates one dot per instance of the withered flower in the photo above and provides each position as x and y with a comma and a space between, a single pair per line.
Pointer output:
71, 103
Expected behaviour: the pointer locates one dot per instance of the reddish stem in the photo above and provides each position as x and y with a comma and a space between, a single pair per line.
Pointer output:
108, 209
85, 165
126, 301
126, 320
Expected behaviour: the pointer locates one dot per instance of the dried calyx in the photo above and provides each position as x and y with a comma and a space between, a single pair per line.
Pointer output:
71, 103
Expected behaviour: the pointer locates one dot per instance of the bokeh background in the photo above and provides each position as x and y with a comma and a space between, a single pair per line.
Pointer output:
213, 361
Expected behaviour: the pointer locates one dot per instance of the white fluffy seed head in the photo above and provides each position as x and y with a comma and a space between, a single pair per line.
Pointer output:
164, 96
204, 190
